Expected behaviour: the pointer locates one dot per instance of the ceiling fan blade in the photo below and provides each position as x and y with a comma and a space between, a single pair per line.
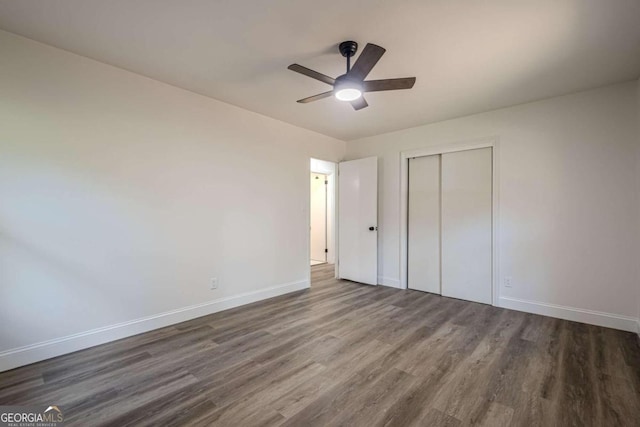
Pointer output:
359, 103
388, 84
366, 61
315, 97
313, 74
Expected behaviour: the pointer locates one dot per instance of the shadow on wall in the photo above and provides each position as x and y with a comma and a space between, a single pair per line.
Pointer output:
54, 302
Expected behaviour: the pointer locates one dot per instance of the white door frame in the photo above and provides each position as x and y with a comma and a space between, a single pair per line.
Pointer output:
404, 202
336, 178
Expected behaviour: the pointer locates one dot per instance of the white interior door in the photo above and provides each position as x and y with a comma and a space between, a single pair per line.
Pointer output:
466, 183
423, 272
318, 217
358, 220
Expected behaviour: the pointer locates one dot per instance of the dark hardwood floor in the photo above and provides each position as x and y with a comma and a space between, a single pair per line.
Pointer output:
352, 355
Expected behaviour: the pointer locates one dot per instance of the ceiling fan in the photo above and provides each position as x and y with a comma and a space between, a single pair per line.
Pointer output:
351, 85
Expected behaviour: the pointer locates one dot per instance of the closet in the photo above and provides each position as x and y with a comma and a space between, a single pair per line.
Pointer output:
449, 239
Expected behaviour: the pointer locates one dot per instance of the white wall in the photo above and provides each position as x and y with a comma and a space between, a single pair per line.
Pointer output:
568, 191
120, 197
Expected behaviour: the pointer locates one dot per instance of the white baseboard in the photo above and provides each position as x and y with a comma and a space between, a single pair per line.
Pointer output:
592, 317
21, 356
387, 281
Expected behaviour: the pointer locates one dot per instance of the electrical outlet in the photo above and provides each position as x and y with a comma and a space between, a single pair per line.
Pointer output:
508, 282
214, 283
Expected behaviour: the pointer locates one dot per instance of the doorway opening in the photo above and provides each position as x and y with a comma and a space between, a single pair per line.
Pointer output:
318, 218
322, 213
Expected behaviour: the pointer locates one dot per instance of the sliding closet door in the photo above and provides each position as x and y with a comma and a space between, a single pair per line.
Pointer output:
466, 224
424, 224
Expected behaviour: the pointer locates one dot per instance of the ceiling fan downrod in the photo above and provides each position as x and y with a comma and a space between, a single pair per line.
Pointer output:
348, 49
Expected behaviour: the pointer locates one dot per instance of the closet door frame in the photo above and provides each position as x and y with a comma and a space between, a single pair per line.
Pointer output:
489, 142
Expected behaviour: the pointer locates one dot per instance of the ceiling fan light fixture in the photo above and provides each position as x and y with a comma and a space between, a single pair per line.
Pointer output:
347, 90
348, 94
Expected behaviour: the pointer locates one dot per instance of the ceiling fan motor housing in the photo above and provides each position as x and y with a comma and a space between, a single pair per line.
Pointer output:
345, 80
347, 88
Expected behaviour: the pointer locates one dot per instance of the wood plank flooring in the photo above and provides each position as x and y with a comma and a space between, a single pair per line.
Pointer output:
343, 354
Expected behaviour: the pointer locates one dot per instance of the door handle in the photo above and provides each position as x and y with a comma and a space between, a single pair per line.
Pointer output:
373, 228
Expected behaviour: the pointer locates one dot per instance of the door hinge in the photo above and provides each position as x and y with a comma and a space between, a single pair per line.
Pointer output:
326, 182
326, 251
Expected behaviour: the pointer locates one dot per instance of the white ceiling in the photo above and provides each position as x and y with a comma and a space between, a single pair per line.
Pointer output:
468, 56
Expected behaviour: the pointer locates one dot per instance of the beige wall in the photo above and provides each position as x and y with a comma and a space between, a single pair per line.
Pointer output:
121, 197
568, 191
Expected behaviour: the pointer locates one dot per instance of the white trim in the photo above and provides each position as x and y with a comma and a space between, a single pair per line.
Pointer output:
307, 211
335, 173
404, 197
21, 356
336, 222
388, 281
331, 174
592, 317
